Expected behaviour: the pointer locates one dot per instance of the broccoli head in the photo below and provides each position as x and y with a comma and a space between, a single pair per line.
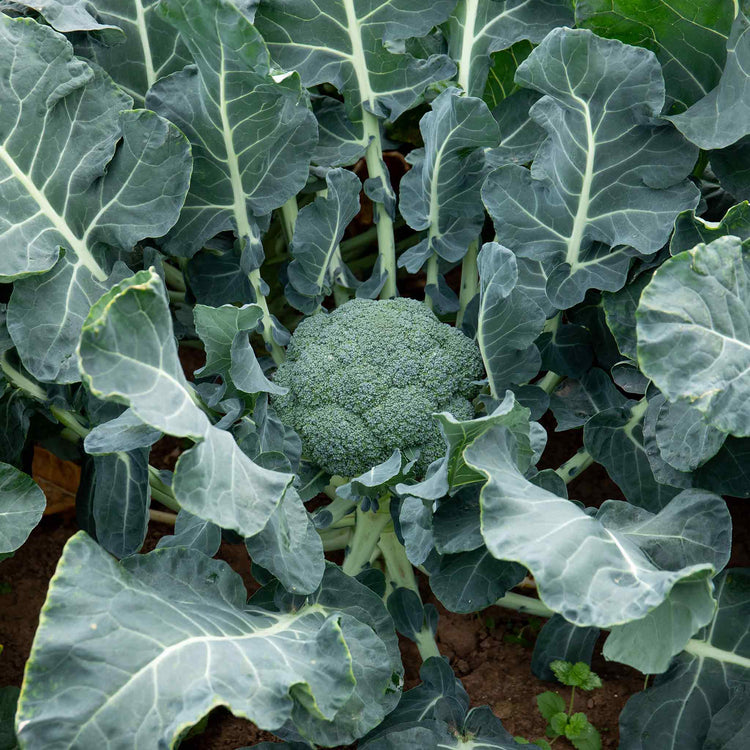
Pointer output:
366, 379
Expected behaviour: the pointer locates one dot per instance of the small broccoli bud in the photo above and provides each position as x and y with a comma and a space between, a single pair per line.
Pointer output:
366, 379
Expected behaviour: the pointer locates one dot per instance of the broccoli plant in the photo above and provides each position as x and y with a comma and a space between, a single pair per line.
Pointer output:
365, 381
410, 243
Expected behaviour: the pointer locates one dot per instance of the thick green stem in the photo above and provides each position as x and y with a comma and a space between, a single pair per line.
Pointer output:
575, 465
340, 295
20, 381
289, 213
549, 382
469, 281
176, 296
432, 278
337, 509
63, 416
552, 324
174, 277
527, 604
400, 574
273, 347
366, 536
335, 539
376, 170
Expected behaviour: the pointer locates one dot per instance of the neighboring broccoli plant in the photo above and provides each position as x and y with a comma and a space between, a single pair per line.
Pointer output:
366, 380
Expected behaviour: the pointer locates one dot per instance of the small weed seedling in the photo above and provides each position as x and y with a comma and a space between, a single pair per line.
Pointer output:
561, 722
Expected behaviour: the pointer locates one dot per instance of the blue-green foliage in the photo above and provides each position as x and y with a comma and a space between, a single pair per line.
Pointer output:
367, 378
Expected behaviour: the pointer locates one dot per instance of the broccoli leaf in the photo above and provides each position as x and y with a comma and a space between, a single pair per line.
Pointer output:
79, 173
22, 503
565, 547
689, 38
177, 612
250, 136
694, 332
602, 188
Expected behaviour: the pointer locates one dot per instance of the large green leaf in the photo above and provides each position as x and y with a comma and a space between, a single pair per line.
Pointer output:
119, 500
441, 192
508, 322
689, 38
128, 354
595, 570
138, 652
614, 437
608, 181
21, 506
649, 644
317, 266
694, 332
477, 28
349, 43
722, 117
130, 40
251, 136
695, 697
77, 173
290, 547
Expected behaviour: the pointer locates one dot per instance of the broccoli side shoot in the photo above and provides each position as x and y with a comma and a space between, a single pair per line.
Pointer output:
366, 379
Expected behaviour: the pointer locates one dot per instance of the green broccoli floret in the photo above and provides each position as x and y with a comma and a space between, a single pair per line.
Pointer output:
366, 379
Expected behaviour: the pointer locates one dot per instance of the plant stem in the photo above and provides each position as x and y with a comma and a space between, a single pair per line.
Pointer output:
376, 170
63, 416
400, 574
432, 278
527, 604
549, 382
366, 535
273, 347
175, 296
21, 381
160, 491
575, 465
161, 516
552, 324
289, 213
335, 539
174, 278
469, 281
337, 509
572, 699
340, 295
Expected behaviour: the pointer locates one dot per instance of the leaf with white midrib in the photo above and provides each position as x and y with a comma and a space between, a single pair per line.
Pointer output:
609, 179
180, 640
477, 28
602, 570
126, 37
693, 324
346, 46
79, 172
251, 136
